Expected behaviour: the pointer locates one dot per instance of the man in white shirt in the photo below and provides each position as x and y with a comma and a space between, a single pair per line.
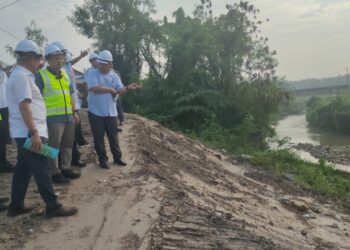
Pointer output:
5, 166
28, 119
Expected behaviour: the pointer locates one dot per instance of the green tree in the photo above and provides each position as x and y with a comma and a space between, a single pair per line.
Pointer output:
204, 71
122, 26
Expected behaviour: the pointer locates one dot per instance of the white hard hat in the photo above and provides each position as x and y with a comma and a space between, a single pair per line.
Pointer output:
105, 57
52, 50
69, 58
93, 56
59, 45
28, 46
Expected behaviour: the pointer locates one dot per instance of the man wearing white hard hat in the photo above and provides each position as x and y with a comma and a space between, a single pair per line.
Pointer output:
62, 114
28, 119
70, 61
103, 86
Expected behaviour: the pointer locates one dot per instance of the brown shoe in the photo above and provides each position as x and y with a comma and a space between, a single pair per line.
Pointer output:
15, 211
62, 212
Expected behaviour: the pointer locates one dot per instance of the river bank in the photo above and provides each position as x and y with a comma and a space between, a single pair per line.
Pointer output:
332, 147
333, 154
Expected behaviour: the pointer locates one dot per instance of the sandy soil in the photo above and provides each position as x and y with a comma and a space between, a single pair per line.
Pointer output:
177, 194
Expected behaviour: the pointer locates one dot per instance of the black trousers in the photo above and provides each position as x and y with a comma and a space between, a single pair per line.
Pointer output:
2, 143
79, 137
75, 151
100, 126
28, 164
5, 119
120, 110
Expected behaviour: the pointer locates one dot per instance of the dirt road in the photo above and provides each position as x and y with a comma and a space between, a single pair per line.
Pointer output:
178, 194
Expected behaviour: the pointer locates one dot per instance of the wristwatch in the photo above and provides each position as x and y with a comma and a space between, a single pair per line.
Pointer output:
32, 132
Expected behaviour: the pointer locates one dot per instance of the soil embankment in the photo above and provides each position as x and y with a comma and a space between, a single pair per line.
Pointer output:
177, 194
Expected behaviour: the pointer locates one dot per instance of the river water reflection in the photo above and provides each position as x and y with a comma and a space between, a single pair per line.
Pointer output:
296, 128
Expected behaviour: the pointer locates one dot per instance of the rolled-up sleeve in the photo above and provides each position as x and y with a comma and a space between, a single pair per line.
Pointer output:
92, 80
118, 82
22, 88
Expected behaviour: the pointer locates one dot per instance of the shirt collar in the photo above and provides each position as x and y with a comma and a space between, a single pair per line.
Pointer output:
59, 75
25, 70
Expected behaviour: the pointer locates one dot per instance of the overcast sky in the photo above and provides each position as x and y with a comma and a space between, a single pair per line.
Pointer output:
311, 37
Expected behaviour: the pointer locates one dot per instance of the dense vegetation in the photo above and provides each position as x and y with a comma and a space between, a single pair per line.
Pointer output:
213, 78
320, 178
330, 113
205, 74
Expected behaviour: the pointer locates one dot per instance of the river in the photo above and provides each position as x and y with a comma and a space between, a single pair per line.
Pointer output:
296, 128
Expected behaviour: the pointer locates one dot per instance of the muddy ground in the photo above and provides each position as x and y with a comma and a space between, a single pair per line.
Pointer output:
177, 194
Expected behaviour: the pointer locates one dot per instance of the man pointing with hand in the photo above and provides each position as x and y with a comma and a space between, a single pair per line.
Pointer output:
104, 85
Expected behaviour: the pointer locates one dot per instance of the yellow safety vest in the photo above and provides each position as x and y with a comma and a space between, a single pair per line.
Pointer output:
56, 93
0, 117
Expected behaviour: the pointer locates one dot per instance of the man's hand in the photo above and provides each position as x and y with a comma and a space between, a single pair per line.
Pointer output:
84, 53
114, 92
36, 143
76, 118
134, 86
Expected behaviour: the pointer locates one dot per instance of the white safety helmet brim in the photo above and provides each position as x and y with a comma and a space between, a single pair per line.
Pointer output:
105, 57
93, 56
28, 46
60, 45
52, 50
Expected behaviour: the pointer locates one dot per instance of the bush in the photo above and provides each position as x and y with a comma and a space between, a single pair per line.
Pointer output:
331, 113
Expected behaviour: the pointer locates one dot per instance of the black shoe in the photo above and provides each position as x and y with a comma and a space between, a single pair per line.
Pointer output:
12, 212
70, 174
60, 179
6, 167
119, 130
3, 207
4, 199
62, 211
79, 163
104, 165
120, 162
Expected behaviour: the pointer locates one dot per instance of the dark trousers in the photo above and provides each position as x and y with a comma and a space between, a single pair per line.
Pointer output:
79, 137
100, 126
120, 110
2, 143
28, 164
75, 152
5, 119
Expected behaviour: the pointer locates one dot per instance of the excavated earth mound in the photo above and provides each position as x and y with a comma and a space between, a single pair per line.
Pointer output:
176, 193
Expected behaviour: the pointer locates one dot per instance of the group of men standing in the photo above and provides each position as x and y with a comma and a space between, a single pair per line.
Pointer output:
44, 106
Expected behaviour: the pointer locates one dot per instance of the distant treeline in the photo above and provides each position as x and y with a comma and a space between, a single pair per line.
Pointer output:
316, 83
